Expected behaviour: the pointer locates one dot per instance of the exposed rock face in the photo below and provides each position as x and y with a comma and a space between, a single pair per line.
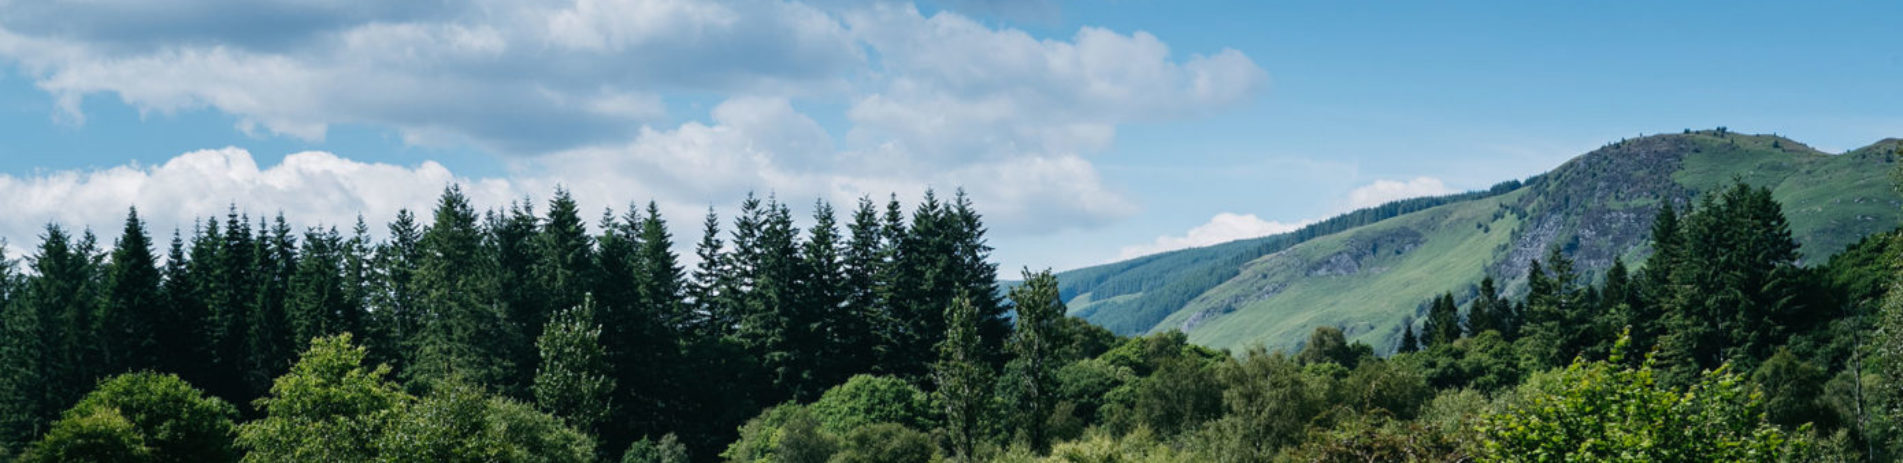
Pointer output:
1597, 206
1363, 250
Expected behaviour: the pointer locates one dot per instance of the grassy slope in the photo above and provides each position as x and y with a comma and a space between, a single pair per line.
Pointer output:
1346, 279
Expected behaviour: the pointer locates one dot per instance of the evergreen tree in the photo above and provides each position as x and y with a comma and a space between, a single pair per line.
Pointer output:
318, 305
573, 380
1485, 312
183, 323
824, 296
1443, 321
662, 283
514, 240
397, 317
975, 275
129, 316
709, 294
564, 264
464, 334
1409, 343
857, 333
63, 289
23, 367
964, 381
230, 293
270, 348
1034, 342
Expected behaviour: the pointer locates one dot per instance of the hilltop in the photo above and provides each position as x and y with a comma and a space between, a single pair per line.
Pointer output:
1368, 270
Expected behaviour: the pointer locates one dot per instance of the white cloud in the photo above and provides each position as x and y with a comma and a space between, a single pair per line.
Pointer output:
1222, 228
1382, 191
578, 92
1226, 226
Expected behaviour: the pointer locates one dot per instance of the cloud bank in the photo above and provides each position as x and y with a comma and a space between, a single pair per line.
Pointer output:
605, 95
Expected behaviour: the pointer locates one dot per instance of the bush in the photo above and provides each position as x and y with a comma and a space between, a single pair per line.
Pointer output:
865, 400
886, 442
175, 422
99, 434
666, 450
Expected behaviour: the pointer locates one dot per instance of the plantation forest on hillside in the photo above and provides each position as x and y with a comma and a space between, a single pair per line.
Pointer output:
518, 335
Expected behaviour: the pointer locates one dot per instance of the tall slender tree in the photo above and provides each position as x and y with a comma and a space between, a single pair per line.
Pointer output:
573, 379
964, 380
464, 334
1034, 342
129, 316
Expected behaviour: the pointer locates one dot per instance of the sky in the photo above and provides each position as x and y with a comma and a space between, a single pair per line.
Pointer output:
1085, 131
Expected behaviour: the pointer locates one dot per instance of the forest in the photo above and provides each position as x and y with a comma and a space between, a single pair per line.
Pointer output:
517, 335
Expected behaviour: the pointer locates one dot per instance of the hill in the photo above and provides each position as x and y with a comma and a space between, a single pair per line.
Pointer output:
1369, 270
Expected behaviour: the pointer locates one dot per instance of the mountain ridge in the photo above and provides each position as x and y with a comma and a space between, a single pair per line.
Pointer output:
1367, 270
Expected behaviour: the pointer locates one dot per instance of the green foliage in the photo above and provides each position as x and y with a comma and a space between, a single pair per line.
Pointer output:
574, 381
885, 442
1327, 344
330, 407
101, 435
666, 450
459, 423
1604, 412
964, 381
1034, 343
866, 400
1376, 438
784, 434
465, 336
170, 419
1267, 404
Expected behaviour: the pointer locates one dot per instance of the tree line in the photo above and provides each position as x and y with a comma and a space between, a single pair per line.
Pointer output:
517, 336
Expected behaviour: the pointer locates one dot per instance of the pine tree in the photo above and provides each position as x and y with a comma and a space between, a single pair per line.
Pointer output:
23, 368
824, 295
513, 239
1040, 309
129, 317
183, 323
1485, 311
573, 380
564, 263
1409, 343
661, 283
64, 290
394, 295
857, 333
318, 305
270, 347
975, 275
464, 334
708, 294
964, 381
1443, 321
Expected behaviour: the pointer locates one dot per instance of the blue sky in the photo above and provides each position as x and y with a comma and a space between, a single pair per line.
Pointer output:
1088, 131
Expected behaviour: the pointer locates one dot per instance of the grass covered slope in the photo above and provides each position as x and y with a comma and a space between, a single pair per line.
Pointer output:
1368, 271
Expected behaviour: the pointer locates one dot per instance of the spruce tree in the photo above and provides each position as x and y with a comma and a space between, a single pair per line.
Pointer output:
823, 295
513, 239
464, 335
129, 318
183, 324
707, 294
1409, 343
23, 364
63, 288
564, 263
857, 337
1443, 322
1485, 311
396, 317
318, 305
270, 349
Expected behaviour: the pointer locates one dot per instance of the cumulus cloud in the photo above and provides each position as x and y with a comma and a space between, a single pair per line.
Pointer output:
1226, 226
1382, 191
312, 187
579, 92
1222, 228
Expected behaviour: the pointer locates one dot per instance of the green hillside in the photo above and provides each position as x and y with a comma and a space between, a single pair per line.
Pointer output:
1368, 271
